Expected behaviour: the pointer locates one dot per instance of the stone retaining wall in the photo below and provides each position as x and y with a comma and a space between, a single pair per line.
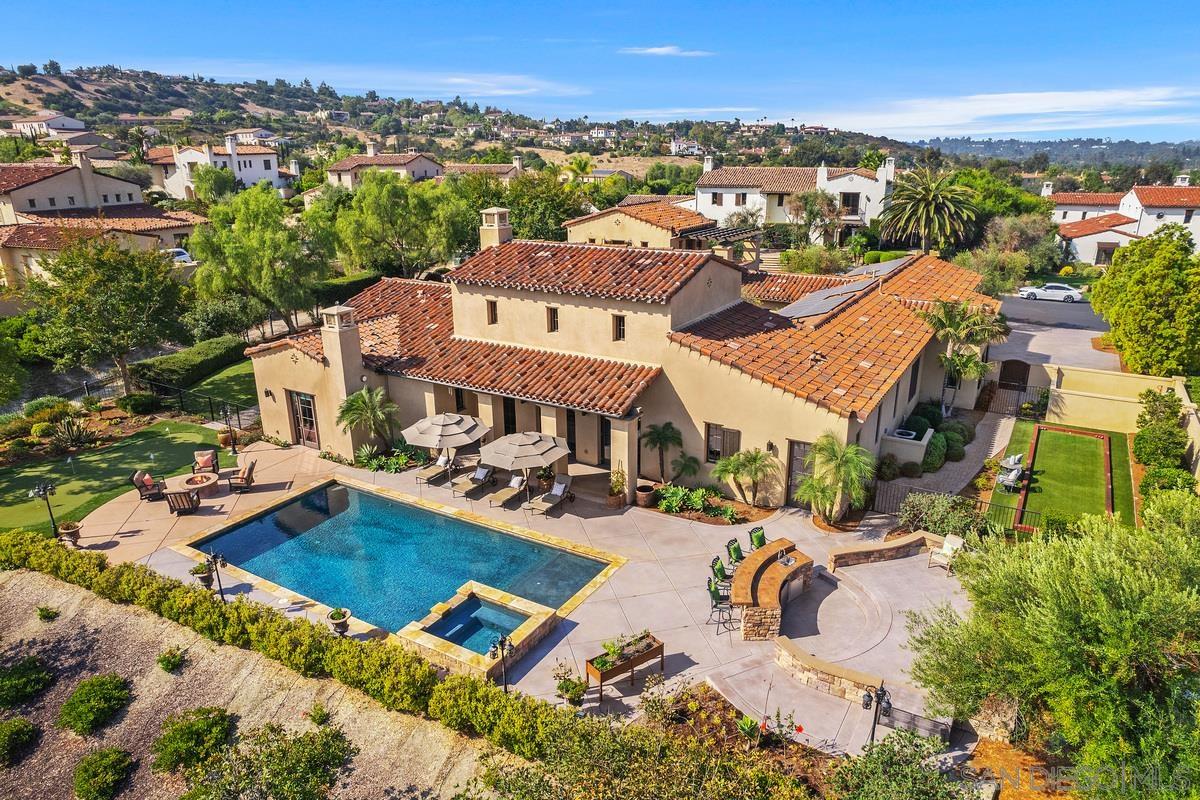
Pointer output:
870, 552
760, 624
849, 684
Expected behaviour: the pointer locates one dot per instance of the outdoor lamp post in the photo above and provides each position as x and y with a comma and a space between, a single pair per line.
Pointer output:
215, 560
232, 435
502, 648
45, 490
882, 700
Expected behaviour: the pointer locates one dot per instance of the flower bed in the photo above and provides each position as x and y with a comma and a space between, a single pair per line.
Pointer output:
704, 504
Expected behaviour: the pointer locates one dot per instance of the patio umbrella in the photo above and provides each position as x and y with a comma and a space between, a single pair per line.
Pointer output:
442, 431
524, 451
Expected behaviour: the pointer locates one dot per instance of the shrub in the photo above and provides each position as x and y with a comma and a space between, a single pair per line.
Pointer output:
42, 403
955, 450
171, 659
965, 430
339, 290
888, 468
941, 514
41, 430
1159, 479
1066, 271
191, 738
671, 498
319, 715
94, 703
1161, 444
814, 259
16, 737
47, 614
1092, 272
1159, 407
878, 256
99, 775
931, 412
935, 453
910, 469
917, 424
15, 429
54, 413
70, 434
192, 364
138, 403
23, 681
1056, 524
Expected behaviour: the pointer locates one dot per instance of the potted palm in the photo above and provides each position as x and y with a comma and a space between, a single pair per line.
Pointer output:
339, 619
203, 573
616, 488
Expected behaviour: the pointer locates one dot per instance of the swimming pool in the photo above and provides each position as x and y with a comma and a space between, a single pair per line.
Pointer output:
475, 624
389, 562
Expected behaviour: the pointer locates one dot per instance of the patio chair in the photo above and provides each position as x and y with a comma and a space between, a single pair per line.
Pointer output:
182, 503
561, 490
516, 485
758, 538
1010, 482
480, 477
733, 549
243, 480
718, 571
1012, 462
149, 487
206, 461
720, 610
442, 465
944, 556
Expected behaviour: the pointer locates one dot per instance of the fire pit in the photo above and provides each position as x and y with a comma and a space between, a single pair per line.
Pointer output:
204, 484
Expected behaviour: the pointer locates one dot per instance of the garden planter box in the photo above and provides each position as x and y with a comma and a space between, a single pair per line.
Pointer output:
638, 652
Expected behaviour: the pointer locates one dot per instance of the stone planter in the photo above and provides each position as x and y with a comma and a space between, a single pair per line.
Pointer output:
644, 496
615, 500
205, 578
545, 484
69, 532
225, 438
340, 626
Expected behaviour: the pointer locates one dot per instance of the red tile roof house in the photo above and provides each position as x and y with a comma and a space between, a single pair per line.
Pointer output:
595, 343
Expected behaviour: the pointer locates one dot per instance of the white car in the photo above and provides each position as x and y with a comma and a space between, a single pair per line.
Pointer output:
178, 255
1051, 291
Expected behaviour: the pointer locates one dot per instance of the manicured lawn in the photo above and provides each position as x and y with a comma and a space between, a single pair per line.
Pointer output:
1068, 474
94, 477
235, 383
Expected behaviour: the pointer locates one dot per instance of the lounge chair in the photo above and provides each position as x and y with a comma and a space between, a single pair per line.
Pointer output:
442, 465
558, 492
944, 556
182, 503
481, 476
516, 485
720, 609
243, 480
719, 575
1011, 482
758, 538
1012, 462
733, 549
148, 486
206, 461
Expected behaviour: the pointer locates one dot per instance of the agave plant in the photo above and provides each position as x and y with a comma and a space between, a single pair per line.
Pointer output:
71, 434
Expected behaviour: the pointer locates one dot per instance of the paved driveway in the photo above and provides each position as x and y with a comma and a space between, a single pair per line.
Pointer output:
1044, 332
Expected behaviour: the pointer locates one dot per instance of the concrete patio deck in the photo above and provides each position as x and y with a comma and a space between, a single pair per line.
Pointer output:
854, 618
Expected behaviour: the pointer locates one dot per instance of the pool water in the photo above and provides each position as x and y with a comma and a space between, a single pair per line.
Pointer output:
475, 624
390, 562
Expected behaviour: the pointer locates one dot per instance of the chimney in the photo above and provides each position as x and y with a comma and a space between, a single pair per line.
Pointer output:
495, 229
708, 163
889, 169
343, 349
822, 175
518, 162
231, 146
1183, 180
1047, 188
372, 150
87, 177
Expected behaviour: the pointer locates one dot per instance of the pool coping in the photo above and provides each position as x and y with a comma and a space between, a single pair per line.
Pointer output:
188, 549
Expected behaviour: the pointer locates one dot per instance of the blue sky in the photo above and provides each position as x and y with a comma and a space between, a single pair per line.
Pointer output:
905, 69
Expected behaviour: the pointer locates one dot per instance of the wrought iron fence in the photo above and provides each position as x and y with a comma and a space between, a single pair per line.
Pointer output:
102, 388
887, 498
214, 409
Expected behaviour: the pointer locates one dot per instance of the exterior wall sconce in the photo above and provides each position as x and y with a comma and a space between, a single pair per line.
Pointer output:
268, 394
771, 448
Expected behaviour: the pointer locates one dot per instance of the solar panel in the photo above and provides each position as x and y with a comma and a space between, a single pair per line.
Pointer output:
824, 300
880, 269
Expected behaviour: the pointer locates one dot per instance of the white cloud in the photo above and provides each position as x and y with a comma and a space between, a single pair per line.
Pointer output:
665, 50
669, 114
1016, 112
385, 80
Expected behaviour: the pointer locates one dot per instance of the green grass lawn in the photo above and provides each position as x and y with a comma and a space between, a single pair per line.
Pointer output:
235, 383
94, 477
1068, 473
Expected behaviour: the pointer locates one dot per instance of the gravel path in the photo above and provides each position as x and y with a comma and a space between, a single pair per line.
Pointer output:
400, 756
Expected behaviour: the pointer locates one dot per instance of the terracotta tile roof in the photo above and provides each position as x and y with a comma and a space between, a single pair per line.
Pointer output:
34, 237
1100, 224
772, 180
242, 150
786, 287
851, 360
499, 170
1101, 199
838, 172
160, 155
132, 218
14, 176
619, 273
379, 160
406, 328
1168, 196
638, 199
666, 216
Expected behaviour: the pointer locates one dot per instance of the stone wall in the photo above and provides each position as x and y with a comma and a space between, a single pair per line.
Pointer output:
849, 684
996, 720
760, 624
870, 552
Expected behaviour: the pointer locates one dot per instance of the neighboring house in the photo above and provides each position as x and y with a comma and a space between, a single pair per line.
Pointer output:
145, 120
654, 225
36, 188
333, 115
685, 200
83, 137
775, 290
598, 175
1095, 239
250, 164
595, 344
44, 123
1150, 207
252, 136
862, 194
505, 172
686, 147
348, 172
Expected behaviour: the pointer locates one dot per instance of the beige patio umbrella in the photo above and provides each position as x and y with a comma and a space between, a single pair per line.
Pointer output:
524, 451
443, 431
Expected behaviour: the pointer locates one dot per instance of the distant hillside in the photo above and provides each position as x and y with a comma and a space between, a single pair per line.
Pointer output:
1073, 151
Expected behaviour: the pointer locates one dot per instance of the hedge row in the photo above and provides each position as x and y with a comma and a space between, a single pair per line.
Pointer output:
339, 290
879, 256
397, 678
192, 364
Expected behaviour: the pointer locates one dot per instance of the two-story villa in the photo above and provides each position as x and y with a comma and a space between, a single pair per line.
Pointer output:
594, 343
250, 164
348, 171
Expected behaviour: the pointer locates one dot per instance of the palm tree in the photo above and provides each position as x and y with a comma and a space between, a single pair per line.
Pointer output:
756, 465
729, 468
839, 475
370, 409
579, 166
929, 205
964, 329
813, 213
745, 217
662, 438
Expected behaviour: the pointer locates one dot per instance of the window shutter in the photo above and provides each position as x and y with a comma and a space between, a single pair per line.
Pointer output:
731, 442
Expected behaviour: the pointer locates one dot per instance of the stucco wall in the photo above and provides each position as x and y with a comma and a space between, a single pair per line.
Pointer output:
617, 227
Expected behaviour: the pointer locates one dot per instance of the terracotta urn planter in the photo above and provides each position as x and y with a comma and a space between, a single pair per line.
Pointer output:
203, 575
69, 532
225, 438
339, 620
644, 495
615, 500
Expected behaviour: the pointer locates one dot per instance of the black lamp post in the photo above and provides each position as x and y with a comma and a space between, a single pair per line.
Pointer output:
45, 490
215, 560
502, 648
882, 700
232, 436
